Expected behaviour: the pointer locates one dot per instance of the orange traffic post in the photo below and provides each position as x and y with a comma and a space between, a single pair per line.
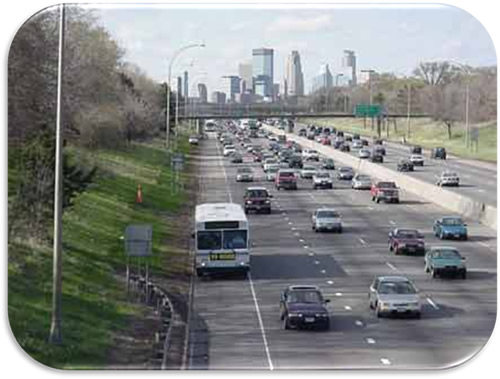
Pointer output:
138, 198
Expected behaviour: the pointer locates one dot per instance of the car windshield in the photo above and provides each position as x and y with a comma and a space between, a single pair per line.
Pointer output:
309, 168
329, 161
407, 234
363, 178
209, 240
235, 239
400, 288
452, 221
345, 169
386, 185
449, 174
286, 174
257, 193
313, 152
273, 169
327, 214
229, 147
244, 170
322, 175
448, 254
304, 297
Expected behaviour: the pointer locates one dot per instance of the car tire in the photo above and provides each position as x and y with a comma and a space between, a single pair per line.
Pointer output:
246, 211
433, 272
465, 237
418, 315
464, 274
441, 236
340, 230
377, 200
390, 247
327, 325
286, 324
378, 312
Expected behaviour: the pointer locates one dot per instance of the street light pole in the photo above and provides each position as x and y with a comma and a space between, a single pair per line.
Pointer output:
408, 111
176, 54
370, 72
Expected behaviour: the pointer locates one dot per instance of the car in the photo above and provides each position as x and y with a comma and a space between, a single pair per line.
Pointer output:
415, 149
295, 161
271, 172
339, 139
327, 131
378, 141
348, 138
307, 172
302, 132
345, 173
364, 153
450, 227
236, 158
310, 135
326, 141
364, 142
257, 156
257, 199
404, 165
379, 149
409, 241
356, 144
267, 162
345, 147
443, 260
340, 133
286, 179
322, 179
337, 144
385, 191
448, 178
361, 182
326, 219
244, 174
356, 136
376, 157
310, 155
229, 150
394, 295
303, 306
438, 153
193, 140
417, 159
328, 164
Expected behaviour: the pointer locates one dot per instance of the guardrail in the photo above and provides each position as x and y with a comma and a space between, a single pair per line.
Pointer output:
457, 203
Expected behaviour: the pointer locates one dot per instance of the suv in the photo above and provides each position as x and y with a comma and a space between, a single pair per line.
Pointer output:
448, 178
438, 153
295, 161
257, 199
415, 150
326, 220
385, 191
286, 179
303, 306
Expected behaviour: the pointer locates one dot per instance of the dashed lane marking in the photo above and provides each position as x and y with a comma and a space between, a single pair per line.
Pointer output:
385, 361
316, 262
392, 222
358, 323
301, 240
391, 266
323, 271
347, 308
330, 281
433, 304
338, 294
370, 340
362, 241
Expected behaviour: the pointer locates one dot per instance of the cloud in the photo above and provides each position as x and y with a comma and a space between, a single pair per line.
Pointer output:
300, 24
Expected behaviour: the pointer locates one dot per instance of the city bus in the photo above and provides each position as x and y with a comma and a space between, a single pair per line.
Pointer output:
221, 239
209, 126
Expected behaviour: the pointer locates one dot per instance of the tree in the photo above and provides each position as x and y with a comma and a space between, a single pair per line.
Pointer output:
435, 73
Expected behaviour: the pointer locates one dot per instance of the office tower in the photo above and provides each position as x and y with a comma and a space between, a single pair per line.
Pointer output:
231, 86
245, 73
263, 72
218, 97
179, 86
294, 79
202, 93
185, 93
350, 61
323, 80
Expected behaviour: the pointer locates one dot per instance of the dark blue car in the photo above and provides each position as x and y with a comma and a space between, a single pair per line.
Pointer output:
450, 227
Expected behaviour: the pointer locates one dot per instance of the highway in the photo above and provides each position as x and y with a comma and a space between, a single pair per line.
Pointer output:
478, 180
235, 322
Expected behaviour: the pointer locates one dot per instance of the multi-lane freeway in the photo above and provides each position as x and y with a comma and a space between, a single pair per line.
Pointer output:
478, 180
235, 322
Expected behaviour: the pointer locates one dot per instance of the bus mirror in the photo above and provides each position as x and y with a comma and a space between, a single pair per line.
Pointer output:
192, 235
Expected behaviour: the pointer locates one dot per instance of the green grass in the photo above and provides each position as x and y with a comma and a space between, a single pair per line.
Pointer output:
94, 304
427, 133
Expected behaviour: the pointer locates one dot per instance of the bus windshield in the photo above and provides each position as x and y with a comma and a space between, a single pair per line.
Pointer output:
235, 239
217, 240
211, 240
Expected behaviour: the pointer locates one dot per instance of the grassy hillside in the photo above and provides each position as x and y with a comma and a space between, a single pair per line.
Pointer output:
94, 304
427, 133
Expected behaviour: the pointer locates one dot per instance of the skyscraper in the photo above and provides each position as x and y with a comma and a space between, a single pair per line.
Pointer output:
179, 86
350, 61
263, 71
231, 86
294, 79
185, 93
202, 93
323, 80
245, 73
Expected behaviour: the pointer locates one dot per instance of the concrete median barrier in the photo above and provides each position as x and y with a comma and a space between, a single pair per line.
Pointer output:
454, 202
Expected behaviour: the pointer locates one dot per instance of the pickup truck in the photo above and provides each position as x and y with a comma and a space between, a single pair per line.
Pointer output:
385, 191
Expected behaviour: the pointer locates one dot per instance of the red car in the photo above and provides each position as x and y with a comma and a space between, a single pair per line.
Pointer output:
408, 241
385, 191
326, 141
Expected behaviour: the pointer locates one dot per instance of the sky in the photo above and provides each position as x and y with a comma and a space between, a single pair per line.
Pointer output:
385, 39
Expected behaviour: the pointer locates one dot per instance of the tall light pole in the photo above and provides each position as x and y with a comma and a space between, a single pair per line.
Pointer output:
337, 81
169, 89
408, 110
370, 72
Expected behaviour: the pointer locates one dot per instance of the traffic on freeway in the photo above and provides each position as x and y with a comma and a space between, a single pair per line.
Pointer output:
334, 278
477, 180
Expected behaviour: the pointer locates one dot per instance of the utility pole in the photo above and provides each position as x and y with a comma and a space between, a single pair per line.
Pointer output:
55, 327
408, 111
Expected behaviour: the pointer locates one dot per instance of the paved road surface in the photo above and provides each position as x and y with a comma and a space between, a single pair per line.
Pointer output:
235, 321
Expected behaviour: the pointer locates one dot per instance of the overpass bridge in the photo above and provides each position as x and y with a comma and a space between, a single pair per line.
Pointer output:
286, 115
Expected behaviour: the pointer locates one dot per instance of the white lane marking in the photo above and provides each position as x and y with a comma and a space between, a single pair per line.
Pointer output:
311, 254
370, 208
296, 234
330, 282
290, 223
370, 340
287, 218
362, 241
306, 247
264, 338
323, 271
487, 246
283, 213
347, 308
316, 262
392, 222
301, 240
391, 266
338, 293
294, 228
224, 172
432, 303
481, 190
358, 323
385, 361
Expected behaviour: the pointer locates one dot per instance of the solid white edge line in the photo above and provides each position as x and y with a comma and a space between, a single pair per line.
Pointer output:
224, 172
362, 241
261, 324
385, 361
391, 266
434, 305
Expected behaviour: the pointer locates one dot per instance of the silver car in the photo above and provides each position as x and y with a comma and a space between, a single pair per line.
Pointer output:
364, 153
356, 144
244, 174
307, 172
271, 172
417, 159
448, 178
361, 182
326, 219
394, 295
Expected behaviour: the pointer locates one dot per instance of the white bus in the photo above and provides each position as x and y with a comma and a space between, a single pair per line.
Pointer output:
209, 126
221, 238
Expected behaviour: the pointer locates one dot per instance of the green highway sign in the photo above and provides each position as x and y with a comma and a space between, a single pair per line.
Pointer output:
365, 110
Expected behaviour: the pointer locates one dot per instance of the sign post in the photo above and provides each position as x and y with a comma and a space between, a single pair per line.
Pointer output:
138, 243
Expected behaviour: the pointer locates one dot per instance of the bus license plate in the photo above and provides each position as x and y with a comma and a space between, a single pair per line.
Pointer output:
225, 256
